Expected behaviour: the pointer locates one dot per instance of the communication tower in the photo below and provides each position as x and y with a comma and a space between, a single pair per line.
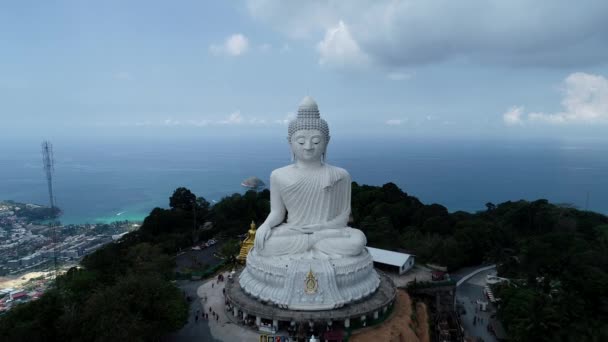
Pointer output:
49, 168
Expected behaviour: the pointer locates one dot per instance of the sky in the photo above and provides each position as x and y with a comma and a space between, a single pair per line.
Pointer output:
435, 68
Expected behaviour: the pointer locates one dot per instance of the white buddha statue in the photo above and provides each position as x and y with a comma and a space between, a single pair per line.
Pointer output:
305, 257
313, 195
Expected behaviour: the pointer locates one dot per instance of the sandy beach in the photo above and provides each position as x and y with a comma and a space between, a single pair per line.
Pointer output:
16, 281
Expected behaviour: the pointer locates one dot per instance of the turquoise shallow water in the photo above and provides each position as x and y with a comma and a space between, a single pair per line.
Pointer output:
104, 181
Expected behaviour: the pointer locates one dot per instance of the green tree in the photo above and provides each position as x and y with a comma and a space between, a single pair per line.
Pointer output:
183, 199
202, 209
230, 249
137, 308
33, 321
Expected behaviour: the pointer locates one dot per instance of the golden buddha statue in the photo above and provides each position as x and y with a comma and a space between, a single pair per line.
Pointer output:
247, 244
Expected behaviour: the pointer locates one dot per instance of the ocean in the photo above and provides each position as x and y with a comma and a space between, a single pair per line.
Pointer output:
105, 181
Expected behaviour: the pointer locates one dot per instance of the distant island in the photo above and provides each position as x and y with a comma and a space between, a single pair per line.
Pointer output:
253, 183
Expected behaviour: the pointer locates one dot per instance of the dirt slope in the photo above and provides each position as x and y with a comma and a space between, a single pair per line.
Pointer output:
399, 327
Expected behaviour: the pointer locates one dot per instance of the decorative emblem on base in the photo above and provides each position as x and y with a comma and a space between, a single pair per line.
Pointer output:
311, 285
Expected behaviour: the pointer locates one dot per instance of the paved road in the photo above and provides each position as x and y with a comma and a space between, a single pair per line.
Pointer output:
192, 331
467, 294
462, 272
193, 259
215, 328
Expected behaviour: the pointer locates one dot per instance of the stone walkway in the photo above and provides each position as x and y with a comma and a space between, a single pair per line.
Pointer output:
221, 328
193, 330
213, 329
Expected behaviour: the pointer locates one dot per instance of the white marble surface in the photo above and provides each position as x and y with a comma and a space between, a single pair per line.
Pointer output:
284, 281
305, 256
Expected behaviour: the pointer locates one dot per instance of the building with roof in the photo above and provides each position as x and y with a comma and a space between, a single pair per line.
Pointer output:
394, 261
18, 295
6, 291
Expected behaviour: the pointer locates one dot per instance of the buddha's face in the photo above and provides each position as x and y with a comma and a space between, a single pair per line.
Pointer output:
308, 145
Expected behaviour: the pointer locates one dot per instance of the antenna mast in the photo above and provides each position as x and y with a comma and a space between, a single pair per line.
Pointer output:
49, 168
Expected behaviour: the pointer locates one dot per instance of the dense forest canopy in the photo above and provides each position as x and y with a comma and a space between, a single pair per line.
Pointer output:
557, 256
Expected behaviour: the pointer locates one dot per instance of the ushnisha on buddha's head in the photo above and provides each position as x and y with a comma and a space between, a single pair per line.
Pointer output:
308, 134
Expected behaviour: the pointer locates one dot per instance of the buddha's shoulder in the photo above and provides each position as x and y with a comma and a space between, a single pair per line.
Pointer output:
338, 171
290, 169
282, 171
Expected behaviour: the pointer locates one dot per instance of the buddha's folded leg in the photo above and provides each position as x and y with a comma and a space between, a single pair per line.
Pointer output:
342, 242
283, 242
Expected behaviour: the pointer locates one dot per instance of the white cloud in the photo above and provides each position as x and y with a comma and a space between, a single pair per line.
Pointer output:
585, 100
312, 16
235, 45
395, 122
398, 33
556, 118
237, 119
199, 123
399, 76
285, 48
513, 115
171, 122
339, 49
257, 121
290, 116
233, 119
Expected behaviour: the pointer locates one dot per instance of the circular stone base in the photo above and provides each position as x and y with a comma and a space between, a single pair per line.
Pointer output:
373, 305
309, 284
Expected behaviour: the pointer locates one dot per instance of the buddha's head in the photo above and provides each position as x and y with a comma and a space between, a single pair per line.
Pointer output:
308, 134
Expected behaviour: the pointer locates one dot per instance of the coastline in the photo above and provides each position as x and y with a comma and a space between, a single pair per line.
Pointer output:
108, 219
18, 280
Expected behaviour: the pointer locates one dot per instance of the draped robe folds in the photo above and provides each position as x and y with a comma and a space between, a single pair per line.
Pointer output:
318, 207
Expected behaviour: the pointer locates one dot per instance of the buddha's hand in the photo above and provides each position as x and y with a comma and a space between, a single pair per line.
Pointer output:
311, 228
261, 235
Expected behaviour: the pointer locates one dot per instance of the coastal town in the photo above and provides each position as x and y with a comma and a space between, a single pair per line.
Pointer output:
34, 247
